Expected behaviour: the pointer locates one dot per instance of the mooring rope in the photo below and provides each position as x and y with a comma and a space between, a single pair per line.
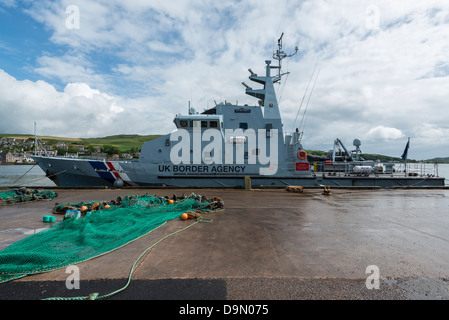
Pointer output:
96, 296
24, 174
51, 175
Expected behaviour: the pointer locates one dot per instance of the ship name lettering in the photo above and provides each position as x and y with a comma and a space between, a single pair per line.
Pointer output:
164, 168
202, 169
228, 169
188, 169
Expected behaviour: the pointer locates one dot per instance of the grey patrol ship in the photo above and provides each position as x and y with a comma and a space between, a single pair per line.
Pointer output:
224, 144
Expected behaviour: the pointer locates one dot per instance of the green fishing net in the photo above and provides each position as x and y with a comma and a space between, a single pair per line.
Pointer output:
96, 231
25, 195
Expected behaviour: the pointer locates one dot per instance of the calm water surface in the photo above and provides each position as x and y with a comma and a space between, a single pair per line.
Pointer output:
23, 175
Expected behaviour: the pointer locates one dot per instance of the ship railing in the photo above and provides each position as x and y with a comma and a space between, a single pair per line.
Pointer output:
393, 169
419, 169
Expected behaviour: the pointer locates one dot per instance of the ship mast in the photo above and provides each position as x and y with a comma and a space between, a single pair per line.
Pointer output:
280, 55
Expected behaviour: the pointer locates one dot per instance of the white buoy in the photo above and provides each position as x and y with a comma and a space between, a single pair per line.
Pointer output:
118, 183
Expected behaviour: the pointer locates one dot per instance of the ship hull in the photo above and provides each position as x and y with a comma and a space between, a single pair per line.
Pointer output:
94, 173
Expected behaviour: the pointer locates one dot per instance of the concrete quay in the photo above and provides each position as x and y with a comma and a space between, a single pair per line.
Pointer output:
266, 245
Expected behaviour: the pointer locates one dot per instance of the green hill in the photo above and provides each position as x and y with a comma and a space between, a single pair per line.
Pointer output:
366, 156
439, 159
124, 142
28, 136
383, 158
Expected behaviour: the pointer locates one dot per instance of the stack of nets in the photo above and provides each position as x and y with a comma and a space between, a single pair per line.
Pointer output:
21, 195
107, 227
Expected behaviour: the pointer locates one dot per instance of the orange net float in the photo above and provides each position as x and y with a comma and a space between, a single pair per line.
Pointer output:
184, 216
189, 215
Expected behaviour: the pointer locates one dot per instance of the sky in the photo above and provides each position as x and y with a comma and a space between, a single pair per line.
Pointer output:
373, 70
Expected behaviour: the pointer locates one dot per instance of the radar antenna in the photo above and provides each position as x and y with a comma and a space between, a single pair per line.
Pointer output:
280, 55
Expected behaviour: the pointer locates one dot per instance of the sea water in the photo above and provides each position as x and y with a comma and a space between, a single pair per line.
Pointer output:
29, 175
23, 176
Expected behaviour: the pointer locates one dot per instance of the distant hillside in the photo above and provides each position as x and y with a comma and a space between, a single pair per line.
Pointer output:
445, 160
383, 158
124, 142
366, 156
27, 136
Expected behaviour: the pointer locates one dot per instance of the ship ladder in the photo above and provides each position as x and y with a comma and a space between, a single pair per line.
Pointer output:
291, 158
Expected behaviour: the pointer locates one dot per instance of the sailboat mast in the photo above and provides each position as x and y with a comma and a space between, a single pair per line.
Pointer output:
35, 139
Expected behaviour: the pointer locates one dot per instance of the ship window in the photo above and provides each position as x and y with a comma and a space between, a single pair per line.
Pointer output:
243, 125
203, 124
183, 123
191, 124
268, 127
213, 124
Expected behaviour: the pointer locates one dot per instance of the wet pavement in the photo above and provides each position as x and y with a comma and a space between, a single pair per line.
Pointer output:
265, 245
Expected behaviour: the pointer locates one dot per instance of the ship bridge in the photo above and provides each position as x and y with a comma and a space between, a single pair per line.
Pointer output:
203, 121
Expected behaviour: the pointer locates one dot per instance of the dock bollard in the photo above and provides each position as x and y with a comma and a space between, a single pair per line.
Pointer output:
327, 190
247, 183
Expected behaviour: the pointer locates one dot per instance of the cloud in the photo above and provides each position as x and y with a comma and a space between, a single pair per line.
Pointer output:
68, 69
384, 133
431, 134
77, 111
8, 3
383, 65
